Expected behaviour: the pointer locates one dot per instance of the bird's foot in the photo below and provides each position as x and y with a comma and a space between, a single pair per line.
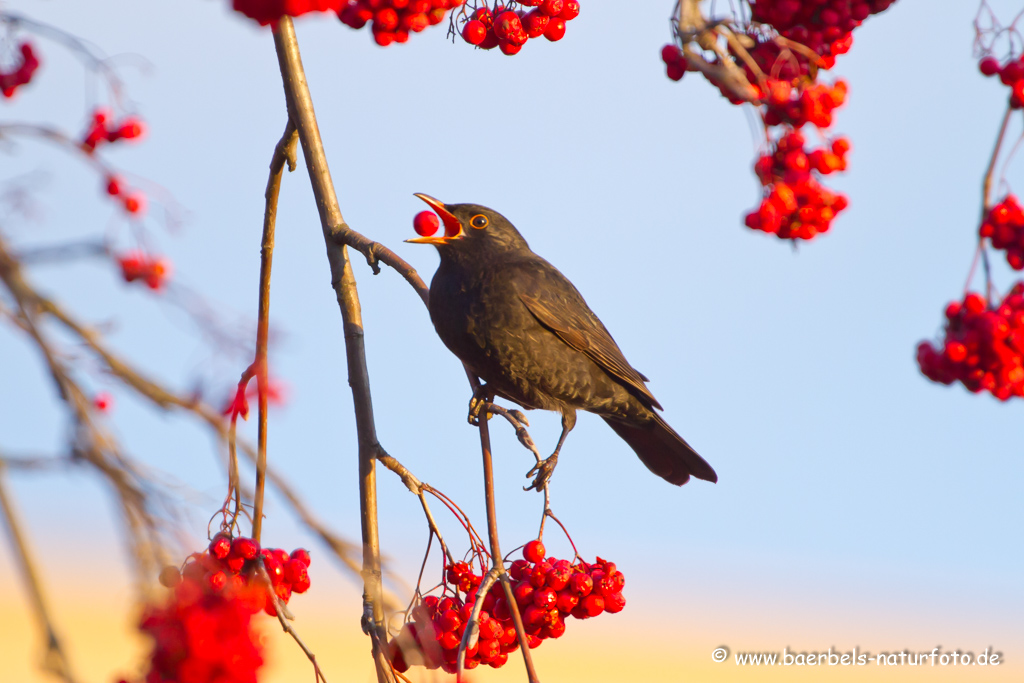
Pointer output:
481, 398
543, 471
518, 414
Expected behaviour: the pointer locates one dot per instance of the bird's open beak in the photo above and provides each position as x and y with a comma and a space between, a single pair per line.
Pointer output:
452, 226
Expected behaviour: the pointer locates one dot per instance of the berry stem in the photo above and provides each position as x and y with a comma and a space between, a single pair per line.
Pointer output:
986, 200
986, 185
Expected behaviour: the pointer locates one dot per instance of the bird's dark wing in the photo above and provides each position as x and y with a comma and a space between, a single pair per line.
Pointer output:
559, 306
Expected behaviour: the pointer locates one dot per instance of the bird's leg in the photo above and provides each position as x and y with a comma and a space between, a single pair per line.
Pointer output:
482, 395
546, 467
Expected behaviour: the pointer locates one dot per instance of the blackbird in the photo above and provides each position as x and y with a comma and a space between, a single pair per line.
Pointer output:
523, 328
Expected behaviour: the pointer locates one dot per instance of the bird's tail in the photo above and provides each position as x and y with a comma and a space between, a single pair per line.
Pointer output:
663, 451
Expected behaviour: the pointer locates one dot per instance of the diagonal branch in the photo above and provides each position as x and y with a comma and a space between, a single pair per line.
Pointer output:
56, 659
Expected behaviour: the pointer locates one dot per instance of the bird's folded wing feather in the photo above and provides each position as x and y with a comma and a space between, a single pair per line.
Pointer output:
559, 306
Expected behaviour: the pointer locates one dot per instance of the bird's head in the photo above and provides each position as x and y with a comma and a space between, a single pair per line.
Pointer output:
471, 230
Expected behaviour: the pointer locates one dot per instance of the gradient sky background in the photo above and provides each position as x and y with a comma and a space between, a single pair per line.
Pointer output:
858, 503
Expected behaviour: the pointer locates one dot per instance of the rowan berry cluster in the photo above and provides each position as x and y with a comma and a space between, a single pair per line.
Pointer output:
203, 636
500, 27
10, 81
137, 265
133, 202
796, 107
1004, 226
781, 66
267, 12
983, 347
547, 591
104, 129
796, 205
1011, 74
392, 21
229, 564
824, 26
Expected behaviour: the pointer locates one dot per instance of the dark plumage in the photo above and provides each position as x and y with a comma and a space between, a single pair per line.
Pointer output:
524, 329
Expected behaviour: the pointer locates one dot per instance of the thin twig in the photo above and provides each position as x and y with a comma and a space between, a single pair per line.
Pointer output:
282, 610
986, 184
986, 203
376, 252
284, 151
35, 463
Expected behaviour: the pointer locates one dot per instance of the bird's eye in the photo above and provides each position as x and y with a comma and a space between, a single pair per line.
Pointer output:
479, 221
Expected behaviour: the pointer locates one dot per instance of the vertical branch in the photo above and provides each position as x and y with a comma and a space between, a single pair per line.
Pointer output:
56, 659
285, 150
496, 557
301, 113
986, 203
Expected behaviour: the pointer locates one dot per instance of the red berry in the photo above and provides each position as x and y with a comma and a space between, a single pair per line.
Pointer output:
426, 223
670, 54
581, 584
473, 33
135, 203
534, 551
220, 546
552, 8
302, 555
570, 11
555, 30
989, 66
216, 581
545, 598
245, 548
509, 48
523, 592
567, 600
295, 571
614, 603
103, 401
535, 22
593, 604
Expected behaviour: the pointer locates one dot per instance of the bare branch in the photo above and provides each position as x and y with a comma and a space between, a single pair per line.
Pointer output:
283, 151
56, 659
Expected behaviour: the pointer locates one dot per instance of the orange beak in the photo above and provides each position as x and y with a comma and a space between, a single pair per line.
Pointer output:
452, 226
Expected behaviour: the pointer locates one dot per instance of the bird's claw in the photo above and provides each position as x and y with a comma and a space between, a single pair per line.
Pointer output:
477, 404
543, 471
518, 415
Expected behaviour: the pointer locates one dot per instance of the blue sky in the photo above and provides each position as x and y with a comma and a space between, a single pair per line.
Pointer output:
851, 489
